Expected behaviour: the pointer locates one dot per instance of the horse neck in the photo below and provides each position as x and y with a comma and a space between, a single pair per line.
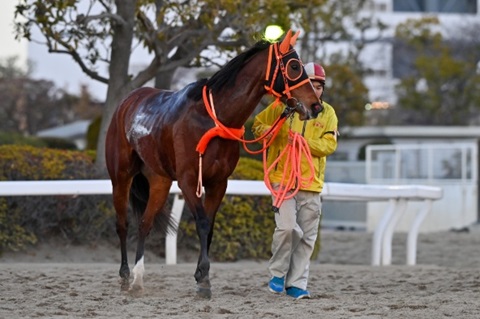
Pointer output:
234, 105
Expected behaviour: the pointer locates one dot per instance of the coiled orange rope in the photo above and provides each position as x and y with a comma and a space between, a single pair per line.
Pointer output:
292, 179
229, 133
297, 147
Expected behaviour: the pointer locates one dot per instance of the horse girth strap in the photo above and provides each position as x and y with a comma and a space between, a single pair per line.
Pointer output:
219, 130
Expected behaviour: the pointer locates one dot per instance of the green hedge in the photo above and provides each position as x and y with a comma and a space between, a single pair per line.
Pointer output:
28, 219
243, 226
49, 142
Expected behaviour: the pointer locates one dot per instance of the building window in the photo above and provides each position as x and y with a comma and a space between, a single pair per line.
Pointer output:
440, 6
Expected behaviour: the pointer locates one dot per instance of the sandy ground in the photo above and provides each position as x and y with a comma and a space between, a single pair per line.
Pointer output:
80, 282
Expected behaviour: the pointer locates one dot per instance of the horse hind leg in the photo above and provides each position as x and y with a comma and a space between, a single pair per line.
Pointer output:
159, 187
120, 202
122, 164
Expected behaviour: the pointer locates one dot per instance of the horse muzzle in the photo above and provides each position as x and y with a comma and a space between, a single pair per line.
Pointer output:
317, 108
295, 105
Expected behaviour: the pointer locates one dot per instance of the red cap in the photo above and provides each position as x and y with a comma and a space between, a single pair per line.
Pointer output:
315, 71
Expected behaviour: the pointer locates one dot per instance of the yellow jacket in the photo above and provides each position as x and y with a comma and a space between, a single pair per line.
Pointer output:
320, 134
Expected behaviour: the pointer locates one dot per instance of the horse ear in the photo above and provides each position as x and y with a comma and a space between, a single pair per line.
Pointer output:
293, 40
285, 45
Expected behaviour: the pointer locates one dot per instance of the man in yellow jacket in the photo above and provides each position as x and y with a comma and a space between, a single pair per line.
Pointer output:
297, 219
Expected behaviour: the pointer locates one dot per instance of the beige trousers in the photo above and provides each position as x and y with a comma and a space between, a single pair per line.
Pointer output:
294, 238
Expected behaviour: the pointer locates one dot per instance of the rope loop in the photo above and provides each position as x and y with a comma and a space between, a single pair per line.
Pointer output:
292, 179
296, 149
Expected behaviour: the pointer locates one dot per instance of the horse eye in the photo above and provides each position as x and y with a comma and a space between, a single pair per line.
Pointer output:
294, 70
295, 65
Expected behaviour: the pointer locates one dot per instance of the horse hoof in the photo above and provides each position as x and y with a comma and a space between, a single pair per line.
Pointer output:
204, 293
124, 284
203, 288
136, 290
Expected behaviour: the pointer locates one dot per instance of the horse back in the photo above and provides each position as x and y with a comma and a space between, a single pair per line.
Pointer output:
147, 123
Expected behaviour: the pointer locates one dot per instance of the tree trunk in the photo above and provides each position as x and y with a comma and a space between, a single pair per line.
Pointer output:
119, 84
163, 80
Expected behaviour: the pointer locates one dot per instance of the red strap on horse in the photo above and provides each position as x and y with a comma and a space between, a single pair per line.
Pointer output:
219, 130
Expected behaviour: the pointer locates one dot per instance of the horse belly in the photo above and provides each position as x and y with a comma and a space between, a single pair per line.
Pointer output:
154, 159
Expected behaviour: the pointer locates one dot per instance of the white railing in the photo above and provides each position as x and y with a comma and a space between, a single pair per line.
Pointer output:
398, 197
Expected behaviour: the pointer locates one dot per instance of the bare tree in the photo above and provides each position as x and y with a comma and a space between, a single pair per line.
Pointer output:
177, 33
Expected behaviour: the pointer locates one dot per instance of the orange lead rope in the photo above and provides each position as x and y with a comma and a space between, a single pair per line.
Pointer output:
222, 131
292, 180
297, 148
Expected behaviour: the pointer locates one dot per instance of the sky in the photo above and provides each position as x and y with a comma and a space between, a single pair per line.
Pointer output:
10, 46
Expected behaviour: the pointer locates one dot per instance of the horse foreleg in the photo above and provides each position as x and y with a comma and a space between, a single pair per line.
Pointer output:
204, 227
205, 220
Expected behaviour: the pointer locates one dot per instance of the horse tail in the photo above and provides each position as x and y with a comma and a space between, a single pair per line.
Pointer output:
139, 194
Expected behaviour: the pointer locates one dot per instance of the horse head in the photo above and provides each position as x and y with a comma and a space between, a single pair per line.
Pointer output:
287, 79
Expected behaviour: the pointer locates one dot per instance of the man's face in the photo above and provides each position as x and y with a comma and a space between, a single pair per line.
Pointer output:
318, 87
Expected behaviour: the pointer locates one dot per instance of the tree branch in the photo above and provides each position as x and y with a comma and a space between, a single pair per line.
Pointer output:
82, 19
74, 54
76, 57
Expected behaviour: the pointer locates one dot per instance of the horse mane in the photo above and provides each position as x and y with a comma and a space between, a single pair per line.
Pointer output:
225, 77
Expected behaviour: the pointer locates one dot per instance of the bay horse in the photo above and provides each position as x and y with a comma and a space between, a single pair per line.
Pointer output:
158, 136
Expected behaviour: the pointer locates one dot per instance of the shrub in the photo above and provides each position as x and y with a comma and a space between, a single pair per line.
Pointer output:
12, 235
49, 142
74, 219
18, 139
59, 143
20, 162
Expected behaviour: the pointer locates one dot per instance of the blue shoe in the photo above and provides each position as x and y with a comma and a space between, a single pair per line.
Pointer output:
298, 293
276, 285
